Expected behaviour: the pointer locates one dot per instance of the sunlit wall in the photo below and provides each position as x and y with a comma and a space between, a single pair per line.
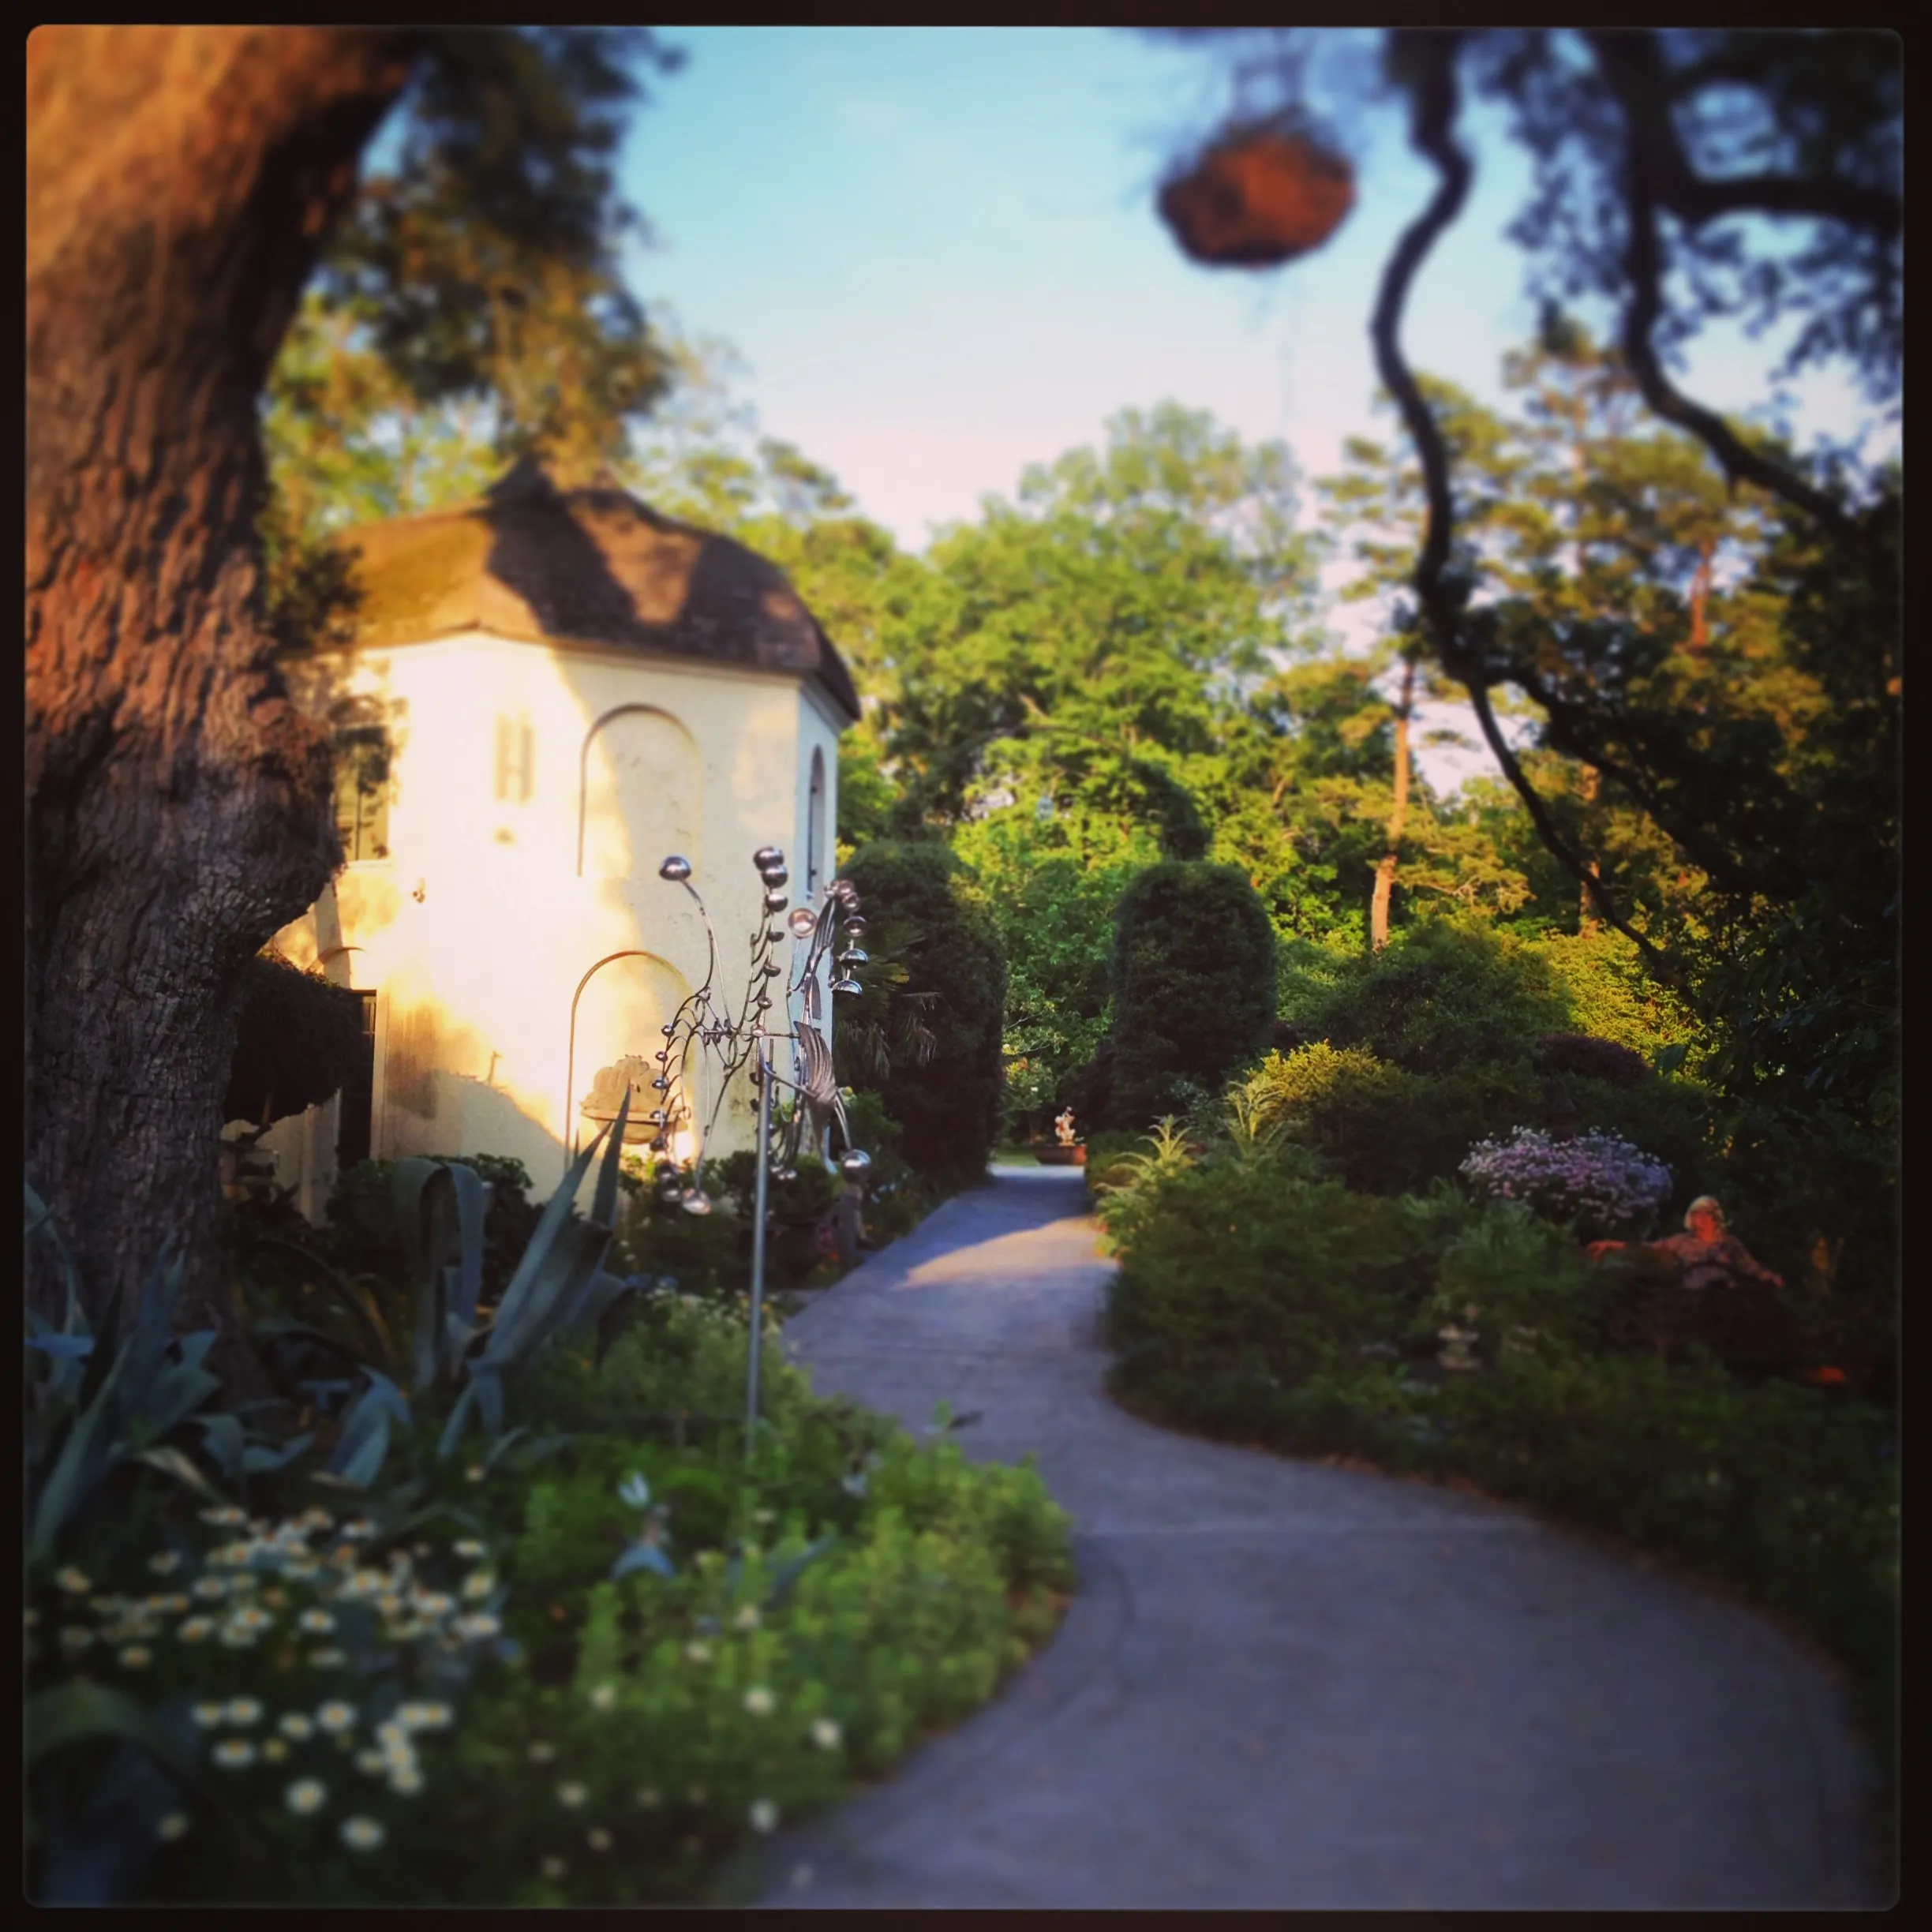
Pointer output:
533, 791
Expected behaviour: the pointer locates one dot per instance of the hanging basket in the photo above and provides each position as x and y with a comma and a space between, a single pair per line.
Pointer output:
1258, 198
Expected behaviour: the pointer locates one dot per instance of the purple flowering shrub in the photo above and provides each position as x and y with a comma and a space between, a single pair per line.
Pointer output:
1600, 1182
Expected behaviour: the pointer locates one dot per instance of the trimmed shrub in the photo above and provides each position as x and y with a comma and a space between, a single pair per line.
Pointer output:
1193, 984
1596, 1059
1444, 996
1248, 1266
1382, 1129
943, 1018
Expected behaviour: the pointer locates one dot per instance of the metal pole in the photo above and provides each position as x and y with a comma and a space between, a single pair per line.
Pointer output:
758, 1239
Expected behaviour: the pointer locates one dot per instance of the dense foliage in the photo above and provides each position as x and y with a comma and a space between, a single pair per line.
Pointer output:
588, 1659
935, 1023
1192, 977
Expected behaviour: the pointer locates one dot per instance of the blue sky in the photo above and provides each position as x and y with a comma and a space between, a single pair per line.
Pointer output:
937, 252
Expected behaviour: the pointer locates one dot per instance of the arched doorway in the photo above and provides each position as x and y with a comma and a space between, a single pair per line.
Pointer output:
619, 1011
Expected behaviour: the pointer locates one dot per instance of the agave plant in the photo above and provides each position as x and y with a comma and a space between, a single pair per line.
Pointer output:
97, 1405
560, 1285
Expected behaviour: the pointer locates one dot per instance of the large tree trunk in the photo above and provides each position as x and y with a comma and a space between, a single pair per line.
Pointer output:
180, 182
1398, 815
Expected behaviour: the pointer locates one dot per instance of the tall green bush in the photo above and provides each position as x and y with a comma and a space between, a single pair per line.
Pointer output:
945, 1091
1444, 996
1193, 981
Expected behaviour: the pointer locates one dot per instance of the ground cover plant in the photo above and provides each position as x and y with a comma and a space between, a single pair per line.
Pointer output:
408, 1654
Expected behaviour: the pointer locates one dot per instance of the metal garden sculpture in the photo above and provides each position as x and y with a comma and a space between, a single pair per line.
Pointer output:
704, 1037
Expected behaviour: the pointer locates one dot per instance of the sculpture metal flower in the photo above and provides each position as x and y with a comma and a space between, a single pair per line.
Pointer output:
705, 1037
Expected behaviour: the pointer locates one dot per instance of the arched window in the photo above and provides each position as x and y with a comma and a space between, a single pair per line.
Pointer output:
815, 839
641, 796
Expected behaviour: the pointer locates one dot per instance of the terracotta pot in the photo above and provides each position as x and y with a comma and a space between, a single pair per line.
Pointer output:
1051, 1154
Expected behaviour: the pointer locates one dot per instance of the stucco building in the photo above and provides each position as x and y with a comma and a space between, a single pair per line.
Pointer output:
539, 696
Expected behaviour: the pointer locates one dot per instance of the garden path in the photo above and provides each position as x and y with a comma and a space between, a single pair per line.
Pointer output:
1282, 1684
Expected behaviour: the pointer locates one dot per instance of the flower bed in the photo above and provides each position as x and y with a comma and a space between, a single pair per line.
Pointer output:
589, 1661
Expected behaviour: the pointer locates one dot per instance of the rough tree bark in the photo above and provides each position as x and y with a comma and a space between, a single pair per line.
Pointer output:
180, 182
1398, 814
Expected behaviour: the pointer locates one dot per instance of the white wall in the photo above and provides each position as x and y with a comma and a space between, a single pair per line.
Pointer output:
534, 790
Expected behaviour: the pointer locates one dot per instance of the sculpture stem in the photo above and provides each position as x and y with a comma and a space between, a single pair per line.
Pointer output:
758, 1241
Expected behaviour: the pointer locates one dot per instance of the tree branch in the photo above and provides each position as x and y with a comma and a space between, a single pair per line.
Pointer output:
1656, 176
1724, 870
1429, 59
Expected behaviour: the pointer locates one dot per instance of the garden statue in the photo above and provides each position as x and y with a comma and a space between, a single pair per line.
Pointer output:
705, 1030
1709, 1257
1063, 1127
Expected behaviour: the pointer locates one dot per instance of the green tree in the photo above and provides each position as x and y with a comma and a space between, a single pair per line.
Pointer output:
1088, 633
1648, 149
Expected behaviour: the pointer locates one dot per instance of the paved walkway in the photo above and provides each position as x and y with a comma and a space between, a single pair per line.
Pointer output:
1284, 1685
